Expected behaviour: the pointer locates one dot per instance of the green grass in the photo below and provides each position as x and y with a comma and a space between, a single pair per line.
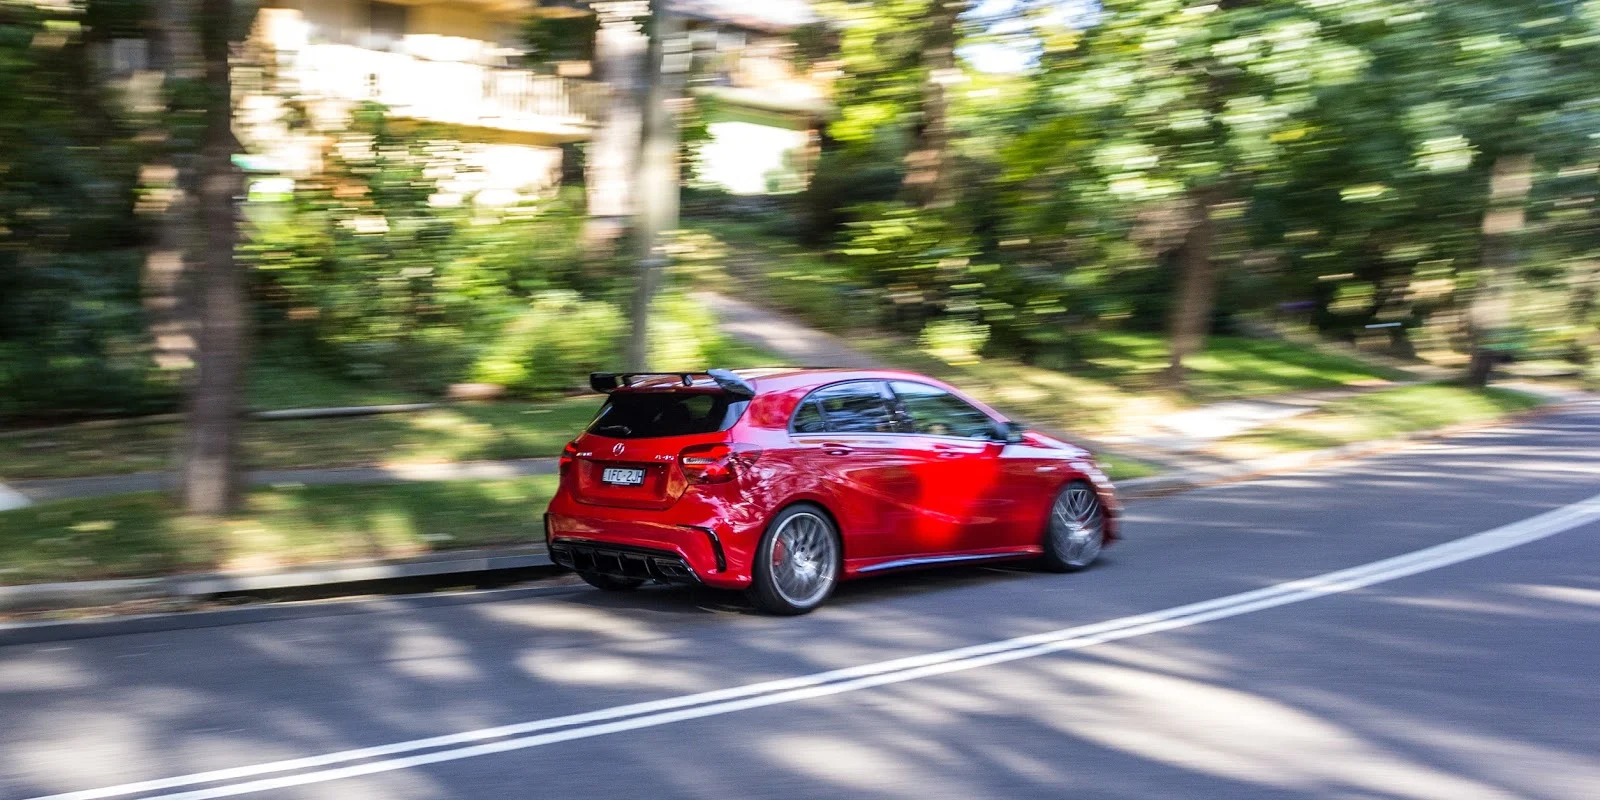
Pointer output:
1124, 469
1378, 415
281, 383
461, 432
1230, 367
449, 433
141, 535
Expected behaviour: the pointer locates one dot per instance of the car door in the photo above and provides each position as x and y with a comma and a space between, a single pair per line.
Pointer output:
956, 458
846, 435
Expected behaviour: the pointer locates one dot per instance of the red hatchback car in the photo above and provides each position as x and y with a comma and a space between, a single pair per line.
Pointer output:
783, 482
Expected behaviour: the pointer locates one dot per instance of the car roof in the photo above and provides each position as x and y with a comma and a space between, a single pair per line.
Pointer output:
772, 380
783, 379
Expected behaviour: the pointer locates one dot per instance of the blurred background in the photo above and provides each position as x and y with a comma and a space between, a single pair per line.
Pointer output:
1101, 217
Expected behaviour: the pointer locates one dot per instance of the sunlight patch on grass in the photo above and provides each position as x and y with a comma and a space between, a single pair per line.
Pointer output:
1119, 468
1377, 415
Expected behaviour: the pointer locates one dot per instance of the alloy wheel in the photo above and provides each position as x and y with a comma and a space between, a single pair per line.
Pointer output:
804, 560
1078, 526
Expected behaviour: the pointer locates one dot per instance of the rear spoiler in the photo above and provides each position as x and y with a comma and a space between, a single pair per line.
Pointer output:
725, 380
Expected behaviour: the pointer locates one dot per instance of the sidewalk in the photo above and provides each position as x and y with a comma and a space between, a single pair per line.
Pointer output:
1189, 431
777, 333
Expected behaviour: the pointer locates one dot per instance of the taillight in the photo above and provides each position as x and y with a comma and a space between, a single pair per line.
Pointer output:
568, 453
716, 463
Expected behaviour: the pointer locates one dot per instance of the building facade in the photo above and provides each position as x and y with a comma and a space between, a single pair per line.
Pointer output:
456, 65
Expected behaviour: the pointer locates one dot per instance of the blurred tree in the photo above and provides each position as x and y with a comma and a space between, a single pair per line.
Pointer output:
171, 134
72, 335
1195, 107
928, 181
362, 269
659, 177
620, 52
898, 59
212, 474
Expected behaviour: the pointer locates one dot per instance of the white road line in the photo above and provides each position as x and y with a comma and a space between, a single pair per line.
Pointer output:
727, 701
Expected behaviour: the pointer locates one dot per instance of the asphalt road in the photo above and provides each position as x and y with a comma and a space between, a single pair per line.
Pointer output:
1419, 678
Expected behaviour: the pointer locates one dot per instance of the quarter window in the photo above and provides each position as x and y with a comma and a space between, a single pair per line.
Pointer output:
937, 412
856, 407
807, 419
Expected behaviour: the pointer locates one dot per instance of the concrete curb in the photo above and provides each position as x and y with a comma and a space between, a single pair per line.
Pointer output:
46, 632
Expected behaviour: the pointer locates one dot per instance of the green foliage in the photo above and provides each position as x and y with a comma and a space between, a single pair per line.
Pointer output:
71, 323
1343, 149
553, 345
144, 535
382, 271
560, 38
954, 341
457, 432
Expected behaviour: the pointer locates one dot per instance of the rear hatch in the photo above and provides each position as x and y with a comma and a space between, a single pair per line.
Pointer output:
628, 457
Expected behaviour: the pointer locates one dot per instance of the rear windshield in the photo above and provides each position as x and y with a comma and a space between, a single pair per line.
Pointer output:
648, 415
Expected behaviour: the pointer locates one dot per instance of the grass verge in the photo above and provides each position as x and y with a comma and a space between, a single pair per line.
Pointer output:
463, 432
1119, 468
1101, 401
1376, 415
142, 535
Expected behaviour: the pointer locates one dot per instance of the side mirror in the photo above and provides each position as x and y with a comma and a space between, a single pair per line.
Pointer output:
1011, 432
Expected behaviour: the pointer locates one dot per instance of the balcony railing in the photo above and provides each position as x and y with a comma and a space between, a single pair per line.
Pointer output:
452, 92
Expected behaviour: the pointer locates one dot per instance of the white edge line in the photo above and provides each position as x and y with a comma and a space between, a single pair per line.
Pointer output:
725, 701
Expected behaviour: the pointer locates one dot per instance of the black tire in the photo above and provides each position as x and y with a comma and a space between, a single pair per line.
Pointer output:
788, 590
611, 583
1075, 530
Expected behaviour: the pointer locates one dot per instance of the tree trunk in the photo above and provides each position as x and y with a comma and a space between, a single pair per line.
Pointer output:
668, 68
619, 54
1509, 181
211, 474
1196, 291
928, 182
167, 187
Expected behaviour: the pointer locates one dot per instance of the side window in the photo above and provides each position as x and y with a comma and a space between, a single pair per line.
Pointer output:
857, 407
939, 413
807, 419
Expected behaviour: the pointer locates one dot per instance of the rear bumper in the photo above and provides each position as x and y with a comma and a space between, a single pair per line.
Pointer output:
622, 561
623, 542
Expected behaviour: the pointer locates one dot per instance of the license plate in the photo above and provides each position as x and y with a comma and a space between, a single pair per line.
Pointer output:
622, 477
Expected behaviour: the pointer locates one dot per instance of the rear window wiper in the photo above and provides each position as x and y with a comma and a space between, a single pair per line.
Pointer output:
622, 429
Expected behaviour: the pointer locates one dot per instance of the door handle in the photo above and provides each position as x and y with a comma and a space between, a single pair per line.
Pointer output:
835, 449
949, 453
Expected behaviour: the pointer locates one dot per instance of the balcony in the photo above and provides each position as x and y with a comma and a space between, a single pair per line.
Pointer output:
449, 92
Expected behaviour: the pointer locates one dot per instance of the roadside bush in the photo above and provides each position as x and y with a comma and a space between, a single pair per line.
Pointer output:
553, 345
379, 271
954, 341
